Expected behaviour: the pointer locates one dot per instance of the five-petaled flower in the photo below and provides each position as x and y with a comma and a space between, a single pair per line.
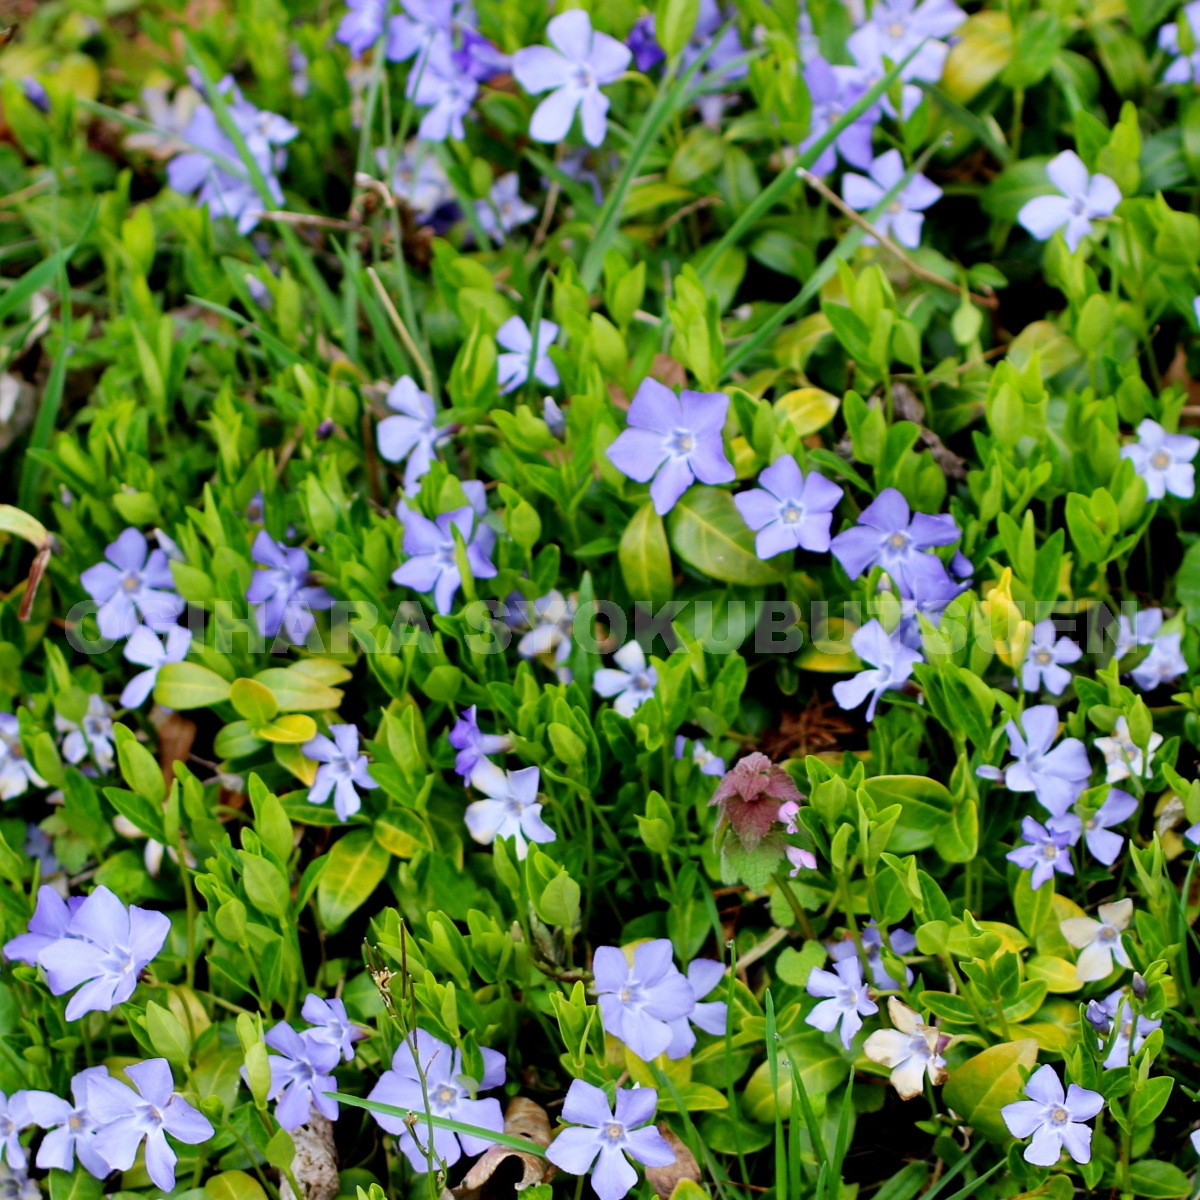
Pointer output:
432, 565
1099, 942
789, 510
91, 735
1123, 757
905, 213
599, 1139
672, 440
1081, 199
70, 1127
411, 434
845, 999
472, 744
515, 337
1102, 843
1164, 664
331, 1024
1163, 460
1129, 1036
301, 1074
910, 1050
146, 649
711, 1016
573, 73
890, 664
1055, 776
16, 771
1055, 1121
639, 1000
132, 585
511, 809
1044, 852
632, 681
342, 771
1045, 660
504, 209
281, 594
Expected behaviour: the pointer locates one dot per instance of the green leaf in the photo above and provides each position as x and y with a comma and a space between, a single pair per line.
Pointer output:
983, 1085
930, 816
234, 1185
185, 685
298, 691
356, 867
168, 1036
139, 811
254, 701
821, 1069
675, 22
402, 833
708, 533
76, 1185
645, 557
1158, 1180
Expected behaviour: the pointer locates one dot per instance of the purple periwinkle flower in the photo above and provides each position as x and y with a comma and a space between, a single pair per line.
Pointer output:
1141, 630
643, 44
901, 941
789, 510
889, 535
639, 1000
418, 29
14, 1116
1099, 941
845, 999
511, 809
1054, 1121
105, 948
1127, 1040
896, 28
1045, 660
1163, 460
70, 1127
1186, 66
16, 771
472, 744
551, 620
891, 664
513, 367
834, 91
1081, 199
301, 1074
447, 92
449, 1094
432, 565
1164, 664
1102, 843
147, 649
91, 735
126, 1117
412, 434
573, 72
420, 180
708, 762
478, 57
904, 216
504, 209
342, 771
704, 974
1045, 851
282, 596
362, 26
632, 681
134, 585
1123, 757
598, 1139
332, 1024
1056, 776
49, 924
673, 440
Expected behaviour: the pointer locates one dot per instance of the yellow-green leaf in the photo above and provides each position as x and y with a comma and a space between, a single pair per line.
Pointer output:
983, 1085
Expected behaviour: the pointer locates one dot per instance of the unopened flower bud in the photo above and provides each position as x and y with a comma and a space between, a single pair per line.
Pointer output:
1140, 988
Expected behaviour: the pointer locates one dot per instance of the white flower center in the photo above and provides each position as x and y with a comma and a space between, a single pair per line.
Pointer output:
584, 76
131, 582
897, 541
1043, 657
790, 515
896, 30
614, 1131
1059, 1115
446, 1095
1161, 461
1049, 851
1106, 933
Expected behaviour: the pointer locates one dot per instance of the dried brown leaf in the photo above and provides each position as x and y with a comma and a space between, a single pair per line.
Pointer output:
523, 1119
664, 1180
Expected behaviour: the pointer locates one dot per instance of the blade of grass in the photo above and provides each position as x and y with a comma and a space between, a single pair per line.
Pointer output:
781, 1163
288, 357
697, 1142
956, 1170
416, 1118
972, 1188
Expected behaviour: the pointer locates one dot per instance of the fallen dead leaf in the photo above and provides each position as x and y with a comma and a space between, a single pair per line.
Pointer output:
664, 1180
523, 1119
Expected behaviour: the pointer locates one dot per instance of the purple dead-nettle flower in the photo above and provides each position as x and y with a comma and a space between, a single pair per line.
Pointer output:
890, 664
1186, 65
147, 649
901, 942
905, 214
301, 1074
632, 681
418, 28
834, 91
362, 26
643, 44
1056, 776
14, 1116
1123, 757
598, 1139
450, 1094
789, 510
106, 948
1081, 199
1045, 660
752, 796
513, 368
704, 974
1045, 851
844, 999
16, 771
1055, 1121
281, 594
432, 565
70, 1127
1164, 664
1099, 942
134, 585
896, 28
1102, 844
92, 735
412, 434
125, 1117
332, 1024
1163, 460
504, 209
888, 534
49, 924
673, 440
472, 744
343, 770
639, 1001
801, 859
511, 809
708, 762
448, 93
1127, 1040
573, 72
